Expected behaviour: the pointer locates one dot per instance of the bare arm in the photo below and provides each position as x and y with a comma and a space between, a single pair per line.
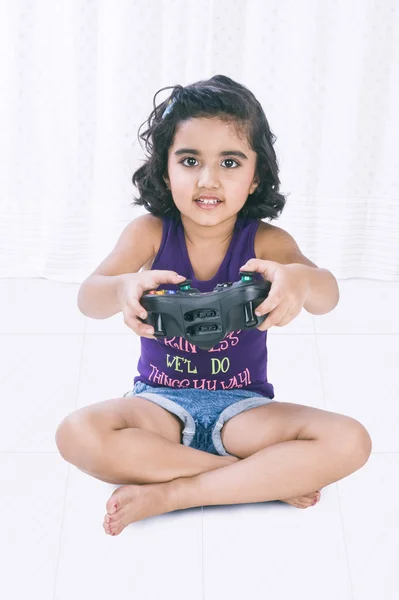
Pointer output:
98, 295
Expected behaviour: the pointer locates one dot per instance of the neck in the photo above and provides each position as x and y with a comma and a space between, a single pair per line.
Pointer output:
208, 235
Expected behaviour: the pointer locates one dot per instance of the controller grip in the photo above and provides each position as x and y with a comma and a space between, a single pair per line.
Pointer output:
159, 328
250, 318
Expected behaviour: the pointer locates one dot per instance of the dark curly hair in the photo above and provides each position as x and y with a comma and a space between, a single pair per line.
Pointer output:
219, 97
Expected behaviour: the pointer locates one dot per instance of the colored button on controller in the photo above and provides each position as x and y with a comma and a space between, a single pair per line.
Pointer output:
246, 275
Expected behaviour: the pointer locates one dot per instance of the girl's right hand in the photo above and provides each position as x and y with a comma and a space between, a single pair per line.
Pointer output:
131, 287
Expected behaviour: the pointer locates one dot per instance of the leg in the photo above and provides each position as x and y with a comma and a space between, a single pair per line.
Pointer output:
282, 470
131, 440
254, 429
311, 448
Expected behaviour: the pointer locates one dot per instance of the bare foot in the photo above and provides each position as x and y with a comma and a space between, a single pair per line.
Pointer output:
131, 503
304, 501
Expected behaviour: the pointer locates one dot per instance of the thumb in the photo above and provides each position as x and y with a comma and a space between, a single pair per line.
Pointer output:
164, 276
245, 267
251, 265
264, 267
152, 279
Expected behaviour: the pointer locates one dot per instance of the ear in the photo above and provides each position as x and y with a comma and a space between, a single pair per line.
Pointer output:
253, 187
166, 180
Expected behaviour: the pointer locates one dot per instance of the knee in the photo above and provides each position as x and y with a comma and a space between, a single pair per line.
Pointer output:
77, 440
358, 443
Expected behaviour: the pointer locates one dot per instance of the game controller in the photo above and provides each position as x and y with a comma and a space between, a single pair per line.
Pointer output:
204, 318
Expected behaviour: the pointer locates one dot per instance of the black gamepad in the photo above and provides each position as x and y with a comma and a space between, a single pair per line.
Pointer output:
205, 318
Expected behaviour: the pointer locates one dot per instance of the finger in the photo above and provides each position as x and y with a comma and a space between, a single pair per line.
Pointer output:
157, 277
280, 320
145, 329
274, 298
142, 329
170, 276
288, 317
274, 317
136, 308
265, 267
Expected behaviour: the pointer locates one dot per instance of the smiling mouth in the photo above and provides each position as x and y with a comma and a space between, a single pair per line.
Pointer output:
206, 201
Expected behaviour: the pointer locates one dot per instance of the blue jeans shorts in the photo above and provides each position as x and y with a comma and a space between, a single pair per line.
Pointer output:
203, 412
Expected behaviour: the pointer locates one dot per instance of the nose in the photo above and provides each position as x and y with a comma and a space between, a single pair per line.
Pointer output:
208, 179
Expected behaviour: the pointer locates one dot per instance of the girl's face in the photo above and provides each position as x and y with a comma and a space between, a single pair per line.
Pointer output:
209, 157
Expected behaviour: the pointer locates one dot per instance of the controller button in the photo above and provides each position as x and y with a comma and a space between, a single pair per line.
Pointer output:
246, 276
221, 286
185, 285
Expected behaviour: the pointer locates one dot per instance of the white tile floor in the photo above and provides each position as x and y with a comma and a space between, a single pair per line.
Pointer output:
53, 546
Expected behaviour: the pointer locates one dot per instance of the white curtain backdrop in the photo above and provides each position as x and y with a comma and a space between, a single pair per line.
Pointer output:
77, 80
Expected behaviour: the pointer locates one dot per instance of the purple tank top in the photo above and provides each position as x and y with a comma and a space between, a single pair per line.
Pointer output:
237, 361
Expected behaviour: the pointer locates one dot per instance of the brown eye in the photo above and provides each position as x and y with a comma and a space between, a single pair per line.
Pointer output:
225, 160
232, 160
184, 159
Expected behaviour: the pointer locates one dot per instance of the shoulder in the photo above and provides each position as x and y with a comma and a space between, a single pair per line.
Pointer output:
151, 226
134, 248
274, 243
155, 227
155, 223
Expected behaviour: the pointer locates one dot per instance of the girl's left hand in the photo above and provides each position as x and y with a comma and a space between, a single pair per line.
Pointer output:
288, 293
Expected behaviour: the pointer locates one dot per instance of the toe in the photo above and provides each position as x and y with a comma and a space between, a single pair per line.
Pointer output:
106, 528
112, 505
306, 501
313, 498
117, 499
115, 529
113, 524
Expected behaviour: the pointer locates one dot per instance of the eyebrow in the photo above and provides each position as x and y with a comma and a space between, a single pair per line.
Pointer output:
223, 153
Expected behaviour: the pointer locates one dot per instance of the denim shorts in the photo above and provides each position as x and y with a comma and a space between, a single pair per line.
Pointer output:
203, 412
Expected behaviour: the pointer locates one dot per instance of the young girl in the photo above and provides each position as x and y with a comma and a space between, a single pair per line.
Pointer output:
202, 427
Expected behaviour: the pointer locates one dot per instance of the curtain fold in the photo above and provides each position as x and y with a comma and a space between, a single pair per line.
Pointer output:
78, 79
